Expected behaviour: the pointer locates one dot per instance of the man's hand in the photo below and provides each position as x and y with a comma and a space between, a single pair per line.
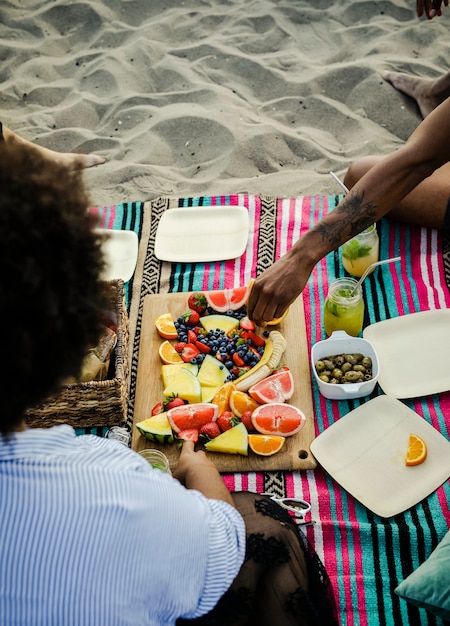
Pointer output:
277, 288
431, 8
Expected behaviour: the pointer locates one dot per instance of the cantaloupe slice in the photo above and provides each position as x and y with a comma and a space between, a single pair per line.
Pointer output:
222, 322
233, 441
184, 385
168, 372
212, 372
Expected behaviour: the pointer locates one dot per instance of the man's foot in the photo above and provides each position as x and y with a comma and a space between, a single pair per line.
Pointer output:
422, 90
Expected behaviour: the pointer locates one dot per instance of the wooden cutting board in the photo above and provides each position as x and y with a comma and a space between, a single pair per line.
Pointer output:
295, 454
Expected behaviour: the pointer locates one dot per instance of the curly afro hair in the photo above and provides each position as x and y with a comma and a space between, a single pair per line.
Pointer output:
52, 298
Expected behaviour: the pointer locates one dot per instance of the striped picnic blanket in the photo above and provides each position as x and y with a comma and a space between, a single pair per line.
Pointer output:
366, 556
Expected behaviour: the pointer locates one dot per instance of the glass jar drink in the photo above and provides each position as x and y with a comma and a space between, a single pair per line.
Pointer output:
361, 251
157, 459
343, 311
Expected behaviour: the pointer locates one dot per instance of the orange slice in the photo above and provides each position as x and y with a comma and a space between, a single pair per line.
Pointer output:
241, 402
222, 396
417, 450
168, 355
265, 445
165, 326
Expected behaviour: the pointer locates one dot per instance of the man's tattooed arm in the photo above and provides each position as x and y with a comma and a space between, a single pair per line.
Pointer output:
357, 215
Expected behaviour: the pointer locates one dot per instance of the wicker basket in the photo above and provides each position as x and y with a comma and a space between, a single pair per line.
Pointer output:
96, 403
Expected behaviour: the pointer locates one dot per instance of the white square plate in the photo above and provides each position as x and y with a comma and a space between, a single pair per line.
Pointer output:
412, 351
120, 248
364, 452
202, 234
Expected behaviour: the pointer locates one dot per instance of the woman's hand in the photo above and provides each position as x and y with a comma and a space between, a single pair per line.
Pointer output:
196, 471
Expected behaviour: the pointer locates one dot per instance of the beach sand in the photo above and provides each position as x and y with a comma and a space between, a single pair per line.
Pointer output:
199, 97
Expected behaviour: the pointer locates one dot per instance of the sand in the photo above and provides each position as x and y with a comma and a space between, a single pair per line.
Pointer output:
201, 97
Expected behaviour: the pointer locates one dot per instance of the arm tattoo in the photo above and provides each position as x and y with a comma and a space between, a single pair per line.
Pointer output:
357, 216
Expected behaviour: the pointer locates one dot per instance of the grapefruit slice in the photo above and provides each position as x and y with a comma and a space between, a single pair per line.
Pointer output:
233, 441
266, 445
278, 419
223, 300
192, 416
275, 388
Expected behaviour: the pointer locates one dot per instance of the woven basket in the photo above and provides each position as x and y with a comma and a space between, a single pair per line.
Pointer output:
96, 403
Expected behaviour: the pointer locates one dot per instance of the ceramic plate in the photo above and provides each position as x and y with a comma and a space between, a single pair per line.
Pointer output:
364, 452
202, 234
412, 351
120, 248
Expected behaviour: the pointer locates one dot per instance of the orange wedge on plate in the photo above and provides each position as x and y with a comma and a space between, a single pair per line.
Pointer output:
417, 450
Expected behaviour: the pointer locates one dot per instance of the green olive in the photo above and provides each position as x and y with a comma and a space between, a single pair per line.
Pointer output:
324, 378
320, 366
359, 368
346, 367
337, 373
350, 358
367, 362
329, 365
353, 377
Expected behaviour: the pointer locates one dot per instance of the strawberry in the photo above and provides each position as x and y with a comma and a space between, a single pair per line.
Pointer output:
178, 347
190, 351
246, 419
190, 434
226, 421
253, 338
197, 302
191, 318
192, 336
237, 360
202, 347
171, 403
210, 430
247, 324
158, 408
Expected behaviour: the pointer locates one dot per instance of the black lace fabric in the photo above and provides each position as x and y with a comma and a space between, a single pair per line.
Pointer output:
282, 581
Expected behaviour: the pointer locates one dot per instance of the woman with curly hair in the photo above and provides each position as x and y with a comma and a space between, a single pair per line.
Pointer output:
90, 533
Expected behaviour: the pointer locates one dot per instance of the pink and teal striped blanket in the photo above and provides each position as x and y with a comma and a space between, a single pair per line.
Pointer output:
366, 556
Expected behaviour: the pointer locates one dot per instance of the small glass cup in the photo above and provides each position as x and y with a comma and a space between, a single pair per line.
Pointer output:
157, 459
343, 311
119, 434
361, 251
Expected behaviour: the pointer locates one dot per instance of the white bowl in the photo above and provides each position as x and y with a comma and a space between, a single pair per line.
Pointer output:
341, 343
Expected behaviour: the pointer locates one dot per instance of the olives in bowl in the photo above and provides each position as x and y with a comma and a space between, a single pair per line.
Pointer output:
344, 367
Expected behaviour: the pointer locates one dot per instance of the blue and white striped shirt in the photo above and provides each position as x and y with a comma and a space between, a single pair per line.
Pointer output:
92, 535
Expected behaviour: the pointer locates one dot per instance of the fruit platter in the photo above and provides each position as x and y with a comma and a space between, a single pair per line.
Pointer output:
206, 372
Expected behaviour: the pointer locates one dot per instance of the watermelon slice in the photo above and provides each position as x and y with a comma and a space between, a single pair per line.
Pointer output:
156, 428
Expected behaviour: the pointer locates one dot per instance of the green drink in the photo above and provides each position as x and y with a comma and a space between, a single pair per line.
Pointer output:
157, 459
343, 311
361, 251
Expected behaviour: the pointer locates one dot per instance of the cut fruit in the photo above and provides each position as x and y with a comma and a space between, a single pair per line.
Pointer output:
417, 450
233, 441
224, 300
278, 320
212, 373
168, 372
190, 434
192, 416
168, 355
222, 397
165, 326
278, 419
185, 385
241, 402
156, 428
266, 445
275, 388
220, 322
248, 379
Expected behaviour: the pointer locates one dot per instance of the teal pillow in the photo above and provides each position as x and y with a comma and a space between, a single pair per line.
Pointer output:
428, 586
